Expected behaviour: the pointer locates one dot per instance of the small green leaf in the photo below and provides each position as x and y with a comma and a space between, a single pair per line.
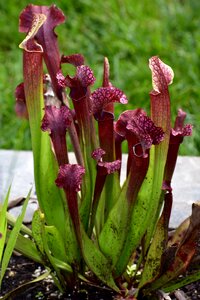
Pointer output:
61, 264
12, 239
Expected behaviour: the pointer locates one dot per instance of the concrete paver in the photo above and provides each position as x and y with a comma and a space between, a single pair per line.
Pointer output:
16, 167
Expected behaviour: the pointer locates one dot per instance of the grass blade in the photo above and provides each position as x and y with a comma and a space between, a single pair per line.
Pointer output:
3, 223
12, 239
180, 282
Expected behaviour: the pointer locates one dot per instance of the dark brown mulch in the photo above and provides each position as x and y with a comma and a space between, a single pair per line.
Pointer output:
22, 270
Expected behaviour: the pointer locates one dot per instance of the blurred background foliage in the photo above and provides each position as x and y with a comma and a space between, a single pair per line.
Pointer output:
128, 32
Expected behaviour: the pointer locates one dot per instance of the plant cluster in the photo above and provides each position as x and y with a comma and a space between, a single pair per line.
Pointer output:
89, 227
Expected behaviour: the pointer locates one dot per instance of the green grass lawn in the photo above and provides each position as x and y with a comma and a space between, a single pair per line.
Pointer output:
128, 32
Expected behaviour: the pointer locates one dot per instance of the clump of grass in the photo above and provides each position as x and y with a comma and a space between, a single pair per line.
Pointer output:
128, 34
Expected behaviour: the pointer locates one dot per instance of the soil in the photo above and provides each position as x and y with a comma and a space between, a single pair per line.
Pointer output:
22, 270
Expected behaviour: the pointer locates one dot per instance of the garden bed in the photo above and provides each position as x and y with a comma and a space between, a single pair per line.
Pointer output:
22, 270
